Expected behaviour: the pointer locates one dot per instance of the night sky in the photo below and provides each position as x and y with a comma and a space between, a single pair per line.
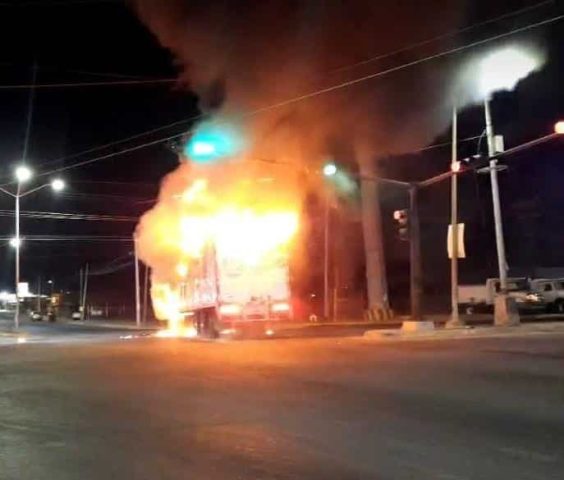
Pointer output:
99, 41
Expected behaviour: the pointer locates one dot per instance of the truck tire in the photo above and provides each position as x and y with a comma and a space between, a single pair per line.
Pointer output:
558, 307
211, 324
199, 323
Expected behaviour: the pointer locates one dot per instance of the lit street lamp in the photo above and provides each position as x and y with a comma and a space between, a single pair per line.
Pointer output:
501, 70
329, 169
23, 174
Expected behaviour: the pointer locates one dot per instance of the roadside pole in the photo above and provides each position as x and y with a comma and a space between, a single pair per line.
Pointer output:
85, 287
39, 294
505, 312
454, 320
137, 290
327, 219
416, 270
146, 294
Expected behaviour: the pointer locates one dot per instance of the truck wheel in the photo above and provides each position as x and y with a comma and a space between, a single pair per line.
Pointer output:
199, 323
559, 307
211, 324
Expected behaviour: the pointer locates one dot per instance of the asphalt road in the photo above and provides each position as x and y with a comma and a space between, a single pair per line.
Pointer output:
94, 406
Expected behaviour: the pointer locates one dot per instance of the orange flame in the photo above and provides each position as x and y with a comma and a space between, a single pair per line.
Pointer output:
248, 221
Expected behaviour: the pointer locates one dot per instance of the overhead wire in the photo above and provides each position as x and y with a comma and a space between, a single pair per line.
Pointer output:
87, 84
69, 216
316, 93
200, 116
444, 36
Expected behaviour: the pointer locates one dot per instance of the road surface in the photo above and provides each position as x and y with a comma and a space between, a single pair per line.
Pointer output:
89, 405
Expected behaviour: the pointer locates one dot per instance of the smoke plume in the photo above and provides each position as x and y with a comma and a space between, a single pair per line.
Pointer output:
246, 59
240, 56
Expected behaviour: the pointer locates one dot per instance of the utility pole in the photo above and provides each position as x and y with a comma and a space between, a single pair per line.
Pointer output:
326, 299
416, 271
84, 292
146, 294
454, 320
505, 312
39, 294
18, 241
137, 292
377, 287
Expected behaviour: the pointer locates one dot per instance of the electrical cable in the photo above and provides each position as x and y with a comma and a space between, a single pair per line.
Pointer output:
87, 84
444, 36
200, 116
323, 91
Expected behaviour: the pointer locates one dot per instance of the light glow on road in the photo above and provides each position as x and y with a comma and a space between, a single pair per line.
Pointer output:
184, 332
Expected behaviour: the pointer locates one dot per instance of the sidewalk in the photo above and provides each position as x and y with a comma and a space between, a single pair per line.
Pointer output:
490, 331
112, 324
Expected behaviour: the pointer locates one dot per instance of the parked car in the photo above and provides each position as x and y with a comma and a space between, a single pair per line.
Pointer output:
552, 290
35, 316
475, 298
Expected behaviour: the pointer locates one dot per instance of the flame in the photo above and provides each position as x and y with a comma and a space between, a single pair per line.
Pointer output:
245, 224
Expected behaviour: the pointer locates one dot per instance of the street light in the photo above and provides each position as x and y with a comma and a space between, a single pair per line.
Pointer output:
23, 174
502, 70
559, 127
57, 185
329, 169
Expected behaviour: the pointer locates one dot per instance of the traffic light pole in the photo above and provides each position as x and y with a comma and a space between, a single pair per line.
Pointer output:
416, 269
454, 321
505, 310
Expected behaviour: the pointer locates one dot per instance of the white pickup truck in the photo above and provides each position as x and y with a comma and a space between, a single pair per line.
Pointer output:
552, 290
475, 298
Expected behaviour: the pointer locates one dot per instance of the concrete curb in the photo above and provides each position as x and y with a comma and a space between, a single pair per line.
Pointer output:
465, 333
112, 326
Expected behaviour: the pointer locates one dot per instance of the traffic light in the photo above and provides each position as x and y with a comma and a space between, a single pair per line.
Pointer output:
402, 224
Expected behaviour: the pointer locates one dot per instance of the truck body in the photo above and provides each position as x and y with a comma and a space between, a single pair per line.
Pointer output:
223, 295
481, 297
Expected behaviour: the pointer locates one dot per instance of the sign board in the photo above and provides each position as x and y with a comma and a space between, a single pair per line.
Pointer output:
23, 289
461, 249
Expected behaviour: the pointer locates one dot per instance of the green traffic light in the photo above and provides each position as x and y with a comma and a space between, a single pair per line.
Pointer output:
213, 141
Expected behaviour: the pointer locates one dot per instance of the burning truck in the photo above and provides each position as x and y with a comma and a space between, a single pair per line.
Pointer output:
239, 280
219, 244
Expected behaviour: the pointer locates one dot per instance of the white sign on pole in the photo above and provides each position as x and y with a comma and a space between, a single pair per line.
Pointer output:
23, 289
461, 249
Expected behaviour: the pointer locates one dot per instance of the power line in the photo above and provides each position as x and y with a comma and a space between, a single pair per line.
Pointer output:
444, 36
69, 216
316, 93
73, 238
53, 68
200, 116
55, 3
88, 84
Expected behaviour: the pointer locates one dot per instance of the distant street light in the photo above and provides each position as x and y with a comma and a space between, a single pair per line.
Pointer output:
329, 169
501, 70
57, 185
24, 174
